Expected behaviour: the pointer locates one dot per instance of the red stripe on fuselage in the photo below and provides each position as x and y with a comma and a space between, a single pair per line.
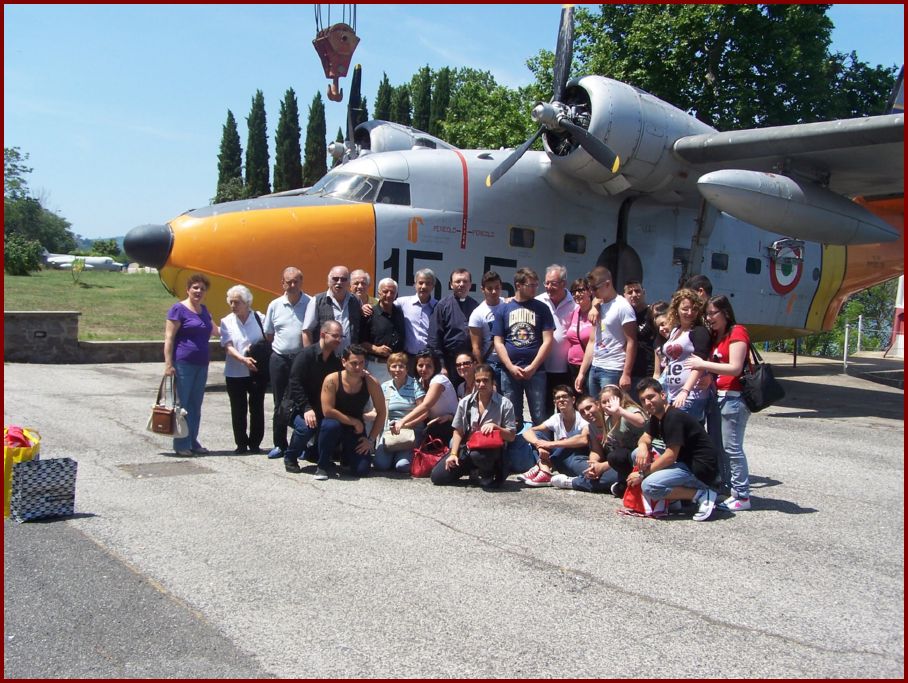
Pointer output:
466, 199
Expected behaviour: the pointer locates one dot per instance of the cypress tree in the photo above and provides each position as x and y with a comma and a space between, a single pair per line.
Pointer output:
257, 149
441, 97
315, 164
400, 105
383, 100
288, 166
230, 163
422, 98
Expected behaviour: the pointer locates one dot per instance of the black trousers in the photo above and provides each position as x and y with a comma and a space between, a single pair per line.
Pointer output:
280, 379
488, 462
247, 395
622, 461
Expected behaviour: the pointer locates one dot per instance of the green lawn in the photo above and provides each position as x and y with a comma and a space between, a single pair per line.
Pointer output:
114, 306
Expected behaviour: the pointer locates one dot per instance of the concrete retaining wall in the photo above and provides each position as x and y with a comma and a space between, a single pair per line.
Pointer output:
53, 337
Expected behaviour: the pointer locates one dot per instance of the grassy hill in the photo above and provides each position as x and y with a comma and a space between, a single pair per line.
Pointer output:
114, 306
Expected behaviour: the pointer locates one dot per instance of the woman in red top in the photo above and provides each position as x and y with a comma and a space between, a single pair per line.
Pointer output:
730, 346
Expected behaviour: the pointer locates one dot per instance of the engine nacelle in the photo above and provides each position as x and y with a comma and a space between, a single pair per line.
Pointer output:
385, 136
640, 128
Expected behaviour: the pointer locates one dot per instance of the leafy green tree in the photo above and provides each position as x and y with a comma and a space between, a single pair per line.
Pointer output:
230, 163
483, 114
27, 218
383, 99
14, 171
257, 182
288, 165
400, 105
732, 66
315, 164
441, 97
105, 248
421, 87
20, 255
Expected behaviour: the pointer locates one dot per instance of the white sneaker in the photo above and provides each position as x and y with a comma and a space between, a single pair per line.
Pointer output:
562, 481
734, 504
707, 500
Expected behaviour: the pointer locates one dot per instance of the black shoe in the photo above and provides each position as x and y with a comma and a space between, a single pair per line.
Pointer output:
255, 450
239, 450
292, 466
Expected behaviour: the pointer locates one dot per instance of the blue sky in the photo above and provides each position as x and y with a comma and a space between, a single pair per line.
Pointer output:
121, 108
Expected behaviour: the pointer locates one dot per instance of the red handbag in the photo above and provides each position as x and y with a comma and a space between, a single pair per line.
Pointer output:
638, 505
481, 442
427, 456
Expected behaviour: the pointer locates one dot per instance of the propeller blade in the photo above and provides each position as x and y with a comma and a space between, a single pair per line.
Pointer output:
564, 52
505, 165
597, 149
354, 104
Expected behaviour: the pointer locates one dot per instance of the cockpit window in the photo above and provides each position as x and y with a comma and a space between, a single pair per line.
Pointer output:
394, 192
356, 188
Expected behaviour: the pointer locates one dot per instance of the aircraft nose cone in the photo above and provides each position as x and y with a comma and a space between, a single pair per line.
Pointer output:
149, 245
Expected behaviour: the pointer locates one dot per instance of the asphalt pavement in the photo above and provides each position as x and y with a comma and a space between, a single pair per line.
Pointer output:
226, 566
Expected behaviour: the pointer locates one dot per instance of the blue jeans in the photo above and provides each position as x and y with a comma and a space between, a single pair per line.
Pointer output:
696, 407
601, 485
535, 391
733, 461
400, 460
191, 380
661, 483
330, 434
599, 377
299, 441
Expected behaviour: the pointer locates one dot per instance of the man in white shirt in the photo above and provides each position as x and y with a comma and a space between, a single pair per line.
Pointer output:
612, 349
480, 325
283, 327
562, 307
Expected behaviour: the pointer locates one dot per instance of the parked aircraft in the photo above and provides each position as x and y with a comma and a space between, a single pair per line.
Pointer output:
65, 262
788, 221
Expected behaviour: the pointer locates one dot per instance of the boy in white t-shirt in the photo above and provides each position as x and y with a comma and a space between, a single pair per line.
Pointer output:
565, 445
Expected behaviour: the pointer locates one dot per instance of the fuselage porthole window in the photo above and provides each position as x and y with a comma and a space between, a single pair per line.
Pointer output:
574, 244
522, 238
719, 261
753, 266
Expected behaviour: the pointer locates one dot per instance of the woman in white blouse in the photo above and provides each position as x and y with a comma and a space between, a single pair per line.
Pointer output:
239, 330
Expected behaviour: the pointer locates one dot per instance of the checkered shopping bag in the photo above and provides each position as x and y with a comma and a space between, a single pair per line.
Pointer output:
43, 488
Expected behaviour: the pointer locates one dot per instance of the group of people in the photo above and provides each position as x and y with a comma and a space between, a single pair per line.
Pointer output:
620, 393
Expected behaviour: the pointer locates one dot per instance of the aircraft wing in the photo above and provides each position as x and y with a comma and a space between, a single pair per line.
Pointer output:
862, 156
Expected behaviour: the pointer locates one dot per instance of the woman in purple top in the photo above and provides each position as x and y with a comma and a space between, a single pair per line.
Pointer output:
186, 335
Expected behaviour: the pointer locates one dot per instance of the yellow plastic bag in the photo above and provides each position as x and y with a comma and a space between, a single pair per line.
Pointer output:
14, 454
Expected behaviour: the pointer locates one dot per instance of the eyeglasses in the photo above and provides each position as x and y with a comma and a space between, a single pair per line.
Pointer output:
290, 283
582, 290
710, 314
553, 283
339, 279
562, 397
465, 364
529, 284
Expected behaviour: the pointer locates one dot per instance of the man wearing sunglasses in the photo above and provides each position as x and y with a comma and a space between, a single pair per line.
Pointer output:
335, 304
